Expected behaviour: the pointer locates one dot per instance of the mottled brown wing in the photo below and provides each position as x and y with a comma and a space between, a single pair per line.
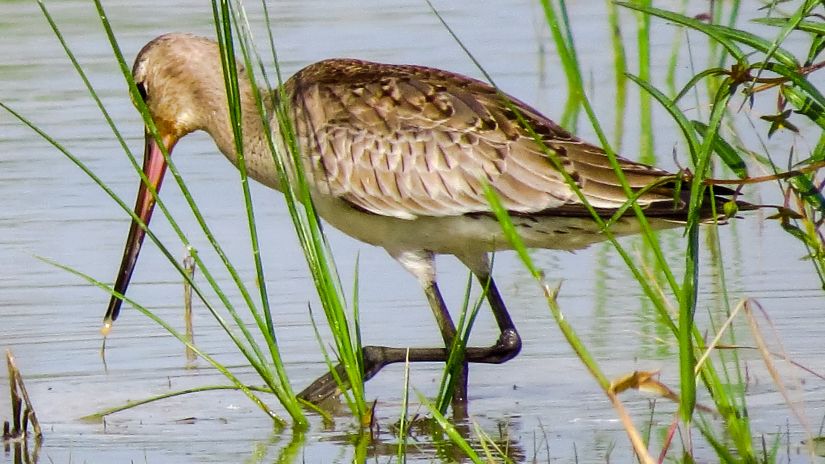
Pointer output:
409, 141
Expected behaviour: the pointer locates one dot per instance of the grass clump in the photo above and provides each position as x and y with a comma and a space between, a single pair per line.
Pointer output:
736, 78
744, 68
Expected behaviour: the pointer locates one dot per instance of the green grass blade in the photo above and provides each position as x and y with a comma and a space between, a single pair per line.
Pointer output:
688, 296
805, 104
451, 431
464, 326
223, 25
563, 38
135, 403
798, 80
728, 154
816, 28
781, 55
619, 70
673, 61
675, 112
150, 125
708, 73
715, 32
401, 454
646, 139
289, 163
518, 246
181, 337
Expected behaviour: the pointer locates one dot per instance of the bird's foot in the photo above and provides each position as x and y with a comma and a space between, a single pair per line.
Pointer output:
327, 387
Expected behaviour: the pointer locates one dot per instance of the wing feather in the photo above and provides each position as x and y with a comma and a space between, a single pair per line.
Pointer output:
409, 141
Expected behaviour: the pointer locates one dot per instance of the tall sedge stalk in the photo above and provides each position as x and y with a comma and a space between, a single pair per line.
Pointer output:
403, 420
223, 28
245, 341
701, 150
704, 139
289, 162
619, 70
269, 367
567, 330
455, 361
646, 142
567, 54
563, 38
770, 68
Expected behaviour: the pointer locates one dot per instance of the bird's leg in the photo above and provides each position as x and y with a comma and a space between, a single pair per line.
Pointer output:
376, 357
421, 265
508, 344
505, 348
448, 333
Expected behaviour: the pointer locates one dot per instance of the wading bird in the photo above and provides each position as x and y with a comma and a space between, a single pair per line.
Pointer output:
397, 156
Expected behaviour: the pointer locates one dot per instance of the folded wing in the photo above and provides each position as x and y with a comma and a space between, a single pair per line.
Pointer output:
411, 141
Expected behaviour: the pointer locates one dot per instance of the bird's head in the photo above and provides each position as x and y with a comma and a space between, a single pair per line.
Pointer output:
179, 78
176, 74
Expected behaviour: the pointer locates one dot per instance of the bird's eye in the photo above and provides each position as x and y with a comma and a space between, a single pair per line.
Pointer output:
142, 91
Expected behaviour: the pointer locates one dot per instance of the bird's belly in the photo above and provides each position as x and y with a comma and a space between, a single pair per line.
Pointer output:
468, 234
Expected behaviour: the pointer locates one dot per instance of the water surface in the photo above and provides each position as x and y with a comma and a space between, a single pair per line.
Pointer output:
50, 319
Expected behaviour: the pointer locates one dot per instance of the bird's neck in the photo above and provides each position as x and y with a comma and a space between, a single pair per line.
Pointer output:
258, 159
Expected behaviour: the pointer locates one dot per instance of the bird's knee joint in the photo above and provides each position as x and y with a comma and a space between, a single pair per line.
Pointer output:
508, 345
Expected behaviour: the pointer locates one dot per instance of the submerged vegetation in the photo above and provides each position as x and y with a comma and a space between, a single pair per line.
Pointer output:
724, 145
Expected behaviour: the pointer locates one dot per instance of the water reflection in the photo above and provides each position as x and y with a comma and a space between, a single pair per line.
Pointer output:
425, 441
20, 451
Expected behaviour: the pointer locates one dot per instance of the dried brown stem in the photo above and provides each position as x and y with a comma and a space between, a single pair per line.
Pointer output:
780, 176
22, 409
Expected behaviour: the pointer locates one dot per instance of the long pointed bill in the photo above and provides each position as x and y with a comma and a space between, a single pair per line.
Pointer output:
154, 166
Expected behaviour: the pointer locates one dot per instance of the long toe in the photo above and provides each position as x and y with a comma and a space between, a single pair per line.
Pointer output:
324, 387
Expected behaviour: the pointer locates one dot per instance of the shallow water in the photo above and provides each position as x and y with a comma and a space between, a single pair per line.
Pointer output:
51, 320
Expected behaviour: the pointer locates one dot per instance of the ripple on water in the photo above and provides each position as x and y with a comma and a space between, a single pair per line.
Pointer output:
51, 319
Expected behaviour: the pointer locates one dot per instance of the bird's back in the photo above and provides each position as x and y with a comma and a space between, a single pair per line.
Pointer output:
410, 142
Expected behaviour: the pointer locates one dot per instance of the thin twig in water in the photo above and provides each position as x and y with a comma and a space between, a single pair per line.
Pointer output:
22, 410
767, 358
189, 267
